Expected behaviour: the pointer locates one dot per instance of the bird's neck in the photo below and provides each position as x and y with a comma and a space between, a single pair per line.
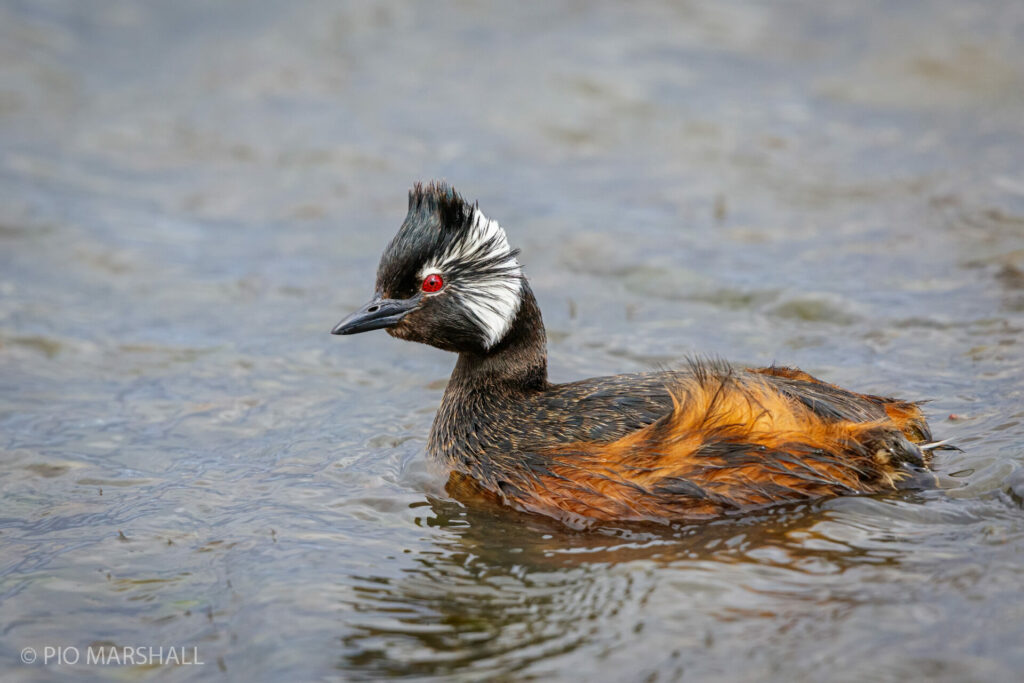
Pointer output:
519, 362
479, 403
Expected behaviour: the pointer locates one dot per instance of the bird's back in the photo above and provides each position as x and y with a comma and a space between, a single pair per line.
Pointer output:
706, 440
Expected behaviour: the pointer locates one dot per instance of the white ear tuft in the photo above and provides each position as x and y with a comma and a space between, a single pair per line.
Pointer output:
489, 282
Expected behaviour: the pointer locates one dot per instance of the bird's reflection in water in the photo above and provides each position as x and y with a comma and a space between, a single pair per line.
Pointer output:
502, 590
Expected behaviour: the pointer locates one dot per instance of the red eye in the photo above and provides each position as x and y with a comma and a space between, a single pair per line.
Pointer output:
432, 283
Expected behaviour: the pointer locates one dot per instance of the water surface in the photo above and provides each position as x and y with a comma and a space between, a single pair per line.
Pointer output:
191, 195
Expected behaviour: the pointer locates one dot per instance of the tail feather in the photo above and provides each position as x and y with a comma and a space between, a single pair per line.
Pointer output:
943, 445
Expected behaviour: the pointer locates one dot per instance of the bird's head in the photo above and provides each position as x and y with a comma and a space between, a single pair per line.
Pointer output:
448, 278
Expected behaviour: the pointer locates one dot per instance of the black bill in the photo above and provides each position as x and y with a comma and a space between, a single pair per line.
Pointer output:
376, 315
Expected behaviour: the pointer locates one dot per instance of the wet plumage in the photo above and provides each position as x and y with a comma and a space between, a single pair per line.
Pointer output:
708, 439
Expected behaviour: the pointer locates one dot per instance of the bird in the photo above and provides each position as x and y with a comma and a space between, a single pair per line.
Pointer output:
705, 440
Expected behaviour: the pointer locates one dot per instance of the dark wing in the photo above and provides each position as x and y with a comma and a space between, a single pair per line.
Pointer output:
600, 409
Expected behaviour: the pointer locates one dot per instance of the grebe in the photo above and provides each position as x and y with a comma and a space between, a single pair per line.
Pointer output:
704, 441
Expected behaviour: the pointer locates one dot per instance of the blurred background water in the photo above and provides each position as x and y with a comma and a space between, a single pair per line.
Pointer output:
193, 193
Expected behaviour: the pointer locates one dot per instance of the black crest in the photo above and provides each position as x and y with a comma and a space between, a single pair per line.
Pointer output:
438, 198
438, 217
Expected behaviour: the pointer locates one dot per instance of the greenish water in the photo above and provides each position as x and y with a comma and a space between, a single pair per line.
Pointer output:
192, 194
